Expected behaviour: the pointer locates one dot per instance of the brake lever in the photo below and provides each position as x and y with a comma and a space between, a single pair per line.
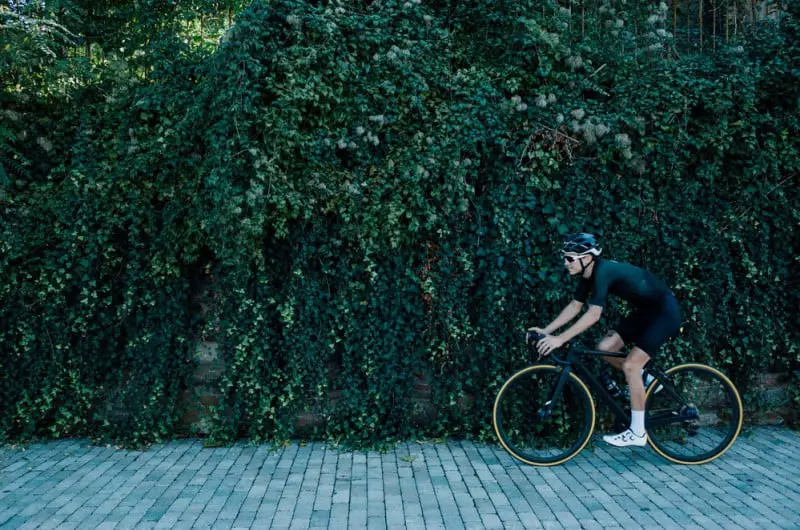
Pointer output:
531, 338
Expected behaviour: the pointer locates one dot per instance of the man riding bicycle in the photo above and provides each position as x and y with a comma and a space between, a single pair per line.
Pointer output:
655, 318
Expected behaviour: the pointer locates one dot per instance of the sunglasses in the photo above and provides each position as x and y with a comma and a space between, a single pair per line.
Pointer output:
570, 259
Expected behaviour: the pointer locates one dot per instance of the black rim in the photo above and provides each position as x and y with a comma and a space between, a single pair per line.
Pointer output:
692, 416
510, 418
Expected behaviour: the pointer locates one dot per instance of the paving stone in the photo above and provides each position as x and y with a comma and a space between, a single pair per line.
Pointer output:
453, 485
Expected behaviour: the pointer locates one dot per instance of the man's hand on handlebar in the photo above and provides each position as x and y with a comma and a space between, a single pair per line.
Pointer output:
545, 343
534, 334
548, 344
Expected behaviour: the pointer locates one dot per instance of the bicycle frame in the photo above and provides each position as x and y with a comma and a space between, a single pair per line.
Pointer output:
571, 363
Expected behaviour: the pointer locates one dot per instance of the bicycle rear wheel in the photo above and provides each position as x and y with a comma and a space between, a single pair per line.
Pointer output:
694, 415
525, 429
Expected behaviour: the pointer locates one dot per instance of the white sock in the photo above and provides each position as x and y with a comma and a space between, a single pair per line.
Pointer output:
637, 422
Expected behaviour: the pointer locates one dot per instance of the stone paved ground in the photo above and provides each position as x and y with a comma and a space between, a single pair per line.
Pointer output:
70, 484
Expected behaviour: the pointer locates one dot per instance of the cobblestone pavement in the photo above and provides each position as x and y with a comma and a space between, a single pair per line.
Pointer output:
181, 484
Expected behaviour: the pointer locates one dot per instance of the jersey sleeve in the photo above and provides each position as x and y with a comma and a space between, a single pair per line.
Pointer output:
582, 291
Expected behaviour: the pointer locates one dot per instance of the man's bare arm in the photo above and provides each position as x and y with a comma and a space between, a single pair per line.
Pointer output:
588, 320
567, 314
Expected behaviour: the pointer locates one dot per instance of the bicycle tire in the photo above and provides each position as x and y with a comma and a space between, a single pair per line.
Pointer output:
523, 386
720, 425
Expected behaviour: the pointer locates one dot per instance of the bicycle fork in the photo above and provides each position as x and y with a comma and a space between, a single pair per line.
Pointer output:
547, 410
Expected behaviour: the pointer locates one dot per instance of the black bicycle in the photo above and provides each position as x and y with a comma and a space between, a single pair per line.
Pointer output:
545, 414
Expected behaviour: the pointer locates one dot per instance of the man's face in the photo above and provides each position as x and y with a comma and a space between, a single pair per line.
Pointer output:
572, 262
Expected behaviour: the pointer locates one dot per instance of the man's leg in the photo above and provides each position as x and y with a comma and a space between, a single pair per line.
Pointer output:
612, 342
632, 366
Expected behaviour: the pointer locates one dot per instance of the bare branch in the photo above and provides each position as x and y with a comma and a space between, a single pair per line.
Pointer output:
16, 21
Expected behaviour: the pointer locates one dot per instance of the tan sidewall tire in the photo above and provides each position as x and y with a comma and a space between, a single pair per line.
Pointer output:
653, 385
548, 367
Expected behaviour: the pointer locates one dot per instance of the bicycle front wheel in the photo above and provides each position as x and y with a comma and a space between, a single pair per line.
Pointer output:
694, 415
535, 431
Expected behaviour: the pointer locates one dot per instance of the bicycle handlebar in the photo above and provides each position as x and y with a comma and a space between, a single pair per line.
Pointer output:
531, 338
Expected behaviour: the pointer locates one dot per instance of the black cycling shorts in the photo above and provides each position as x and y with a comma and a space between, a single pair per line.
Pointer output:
650, 328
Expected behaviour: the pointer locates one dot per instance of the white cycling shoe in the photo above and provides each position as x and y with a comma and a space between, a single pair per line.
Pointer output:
625, 439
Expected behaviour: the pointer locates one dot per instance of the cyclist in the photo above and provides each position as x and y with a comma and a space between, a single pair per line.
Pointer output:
655, 318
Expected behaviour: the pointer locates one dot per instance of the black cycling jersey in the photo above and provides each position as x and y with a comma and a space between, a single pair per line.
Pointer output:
635, 285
